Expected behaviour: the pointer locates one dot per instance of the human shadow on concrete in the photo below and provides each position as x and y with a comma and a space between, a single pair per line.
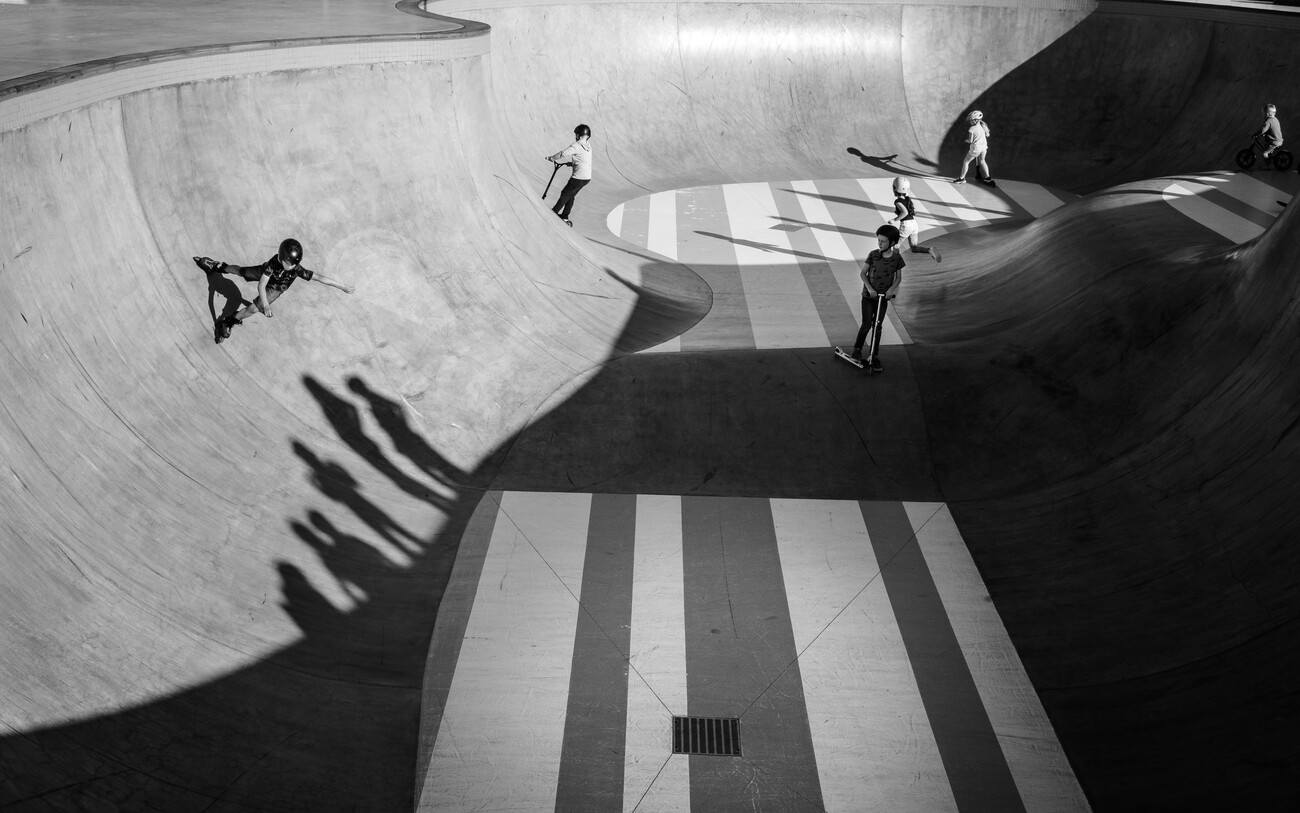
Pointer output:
224, 289
740, 241
888, 164
330, 722
327, 723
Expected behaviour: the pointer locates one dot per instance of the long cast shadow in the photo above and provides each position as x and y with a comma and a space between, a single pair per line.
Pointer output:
330, 722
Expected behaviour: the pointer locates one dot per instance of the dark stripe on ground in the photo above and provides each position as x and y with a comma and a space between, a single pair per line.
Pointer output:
1242, 209
705, 238
595, 727
977, 771
836, 314
741, 660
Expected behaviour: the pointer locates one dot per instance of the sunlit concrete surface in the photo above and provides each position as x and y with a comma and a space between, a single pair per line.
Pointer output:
1043, 562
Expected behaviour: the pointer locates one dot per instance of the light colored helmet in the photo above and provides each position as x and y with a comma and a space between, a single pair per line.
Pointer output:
902, 185
974, 116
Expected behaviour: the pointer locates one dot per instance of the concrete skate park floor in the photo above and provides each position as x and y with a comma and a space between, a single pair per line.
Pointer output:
224, 565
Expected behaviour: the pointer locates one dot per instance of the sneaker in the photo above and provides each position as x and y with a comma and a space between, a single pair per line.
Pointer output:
959, 180
876, 366
934, 252
856, 355
570, 222
208, 264
989, 182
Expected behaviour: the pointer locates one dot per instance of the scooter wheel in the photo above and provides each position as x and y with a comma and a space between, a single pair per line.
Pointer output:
1246, 158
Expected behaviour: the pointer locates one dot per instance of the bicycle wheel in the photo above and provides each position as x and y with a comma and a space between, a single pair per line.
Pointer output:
1246, 158
1282, 160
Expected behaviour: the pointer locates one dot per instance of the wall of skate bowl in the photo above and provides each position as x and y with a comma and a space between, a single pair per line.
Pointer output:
1080, 95
174, 513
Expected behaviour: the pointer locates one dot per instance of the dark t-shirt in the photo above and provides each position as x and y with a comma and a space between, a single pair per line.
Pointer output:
881, 272
280, 278
909, 207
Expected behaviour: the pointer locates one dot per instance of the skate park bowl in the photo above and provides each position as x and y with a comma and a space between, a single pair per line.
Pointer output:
223, 565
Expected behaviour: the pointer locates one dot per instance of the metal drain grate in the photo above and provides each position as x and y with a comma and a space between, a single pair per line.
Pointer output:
718, 736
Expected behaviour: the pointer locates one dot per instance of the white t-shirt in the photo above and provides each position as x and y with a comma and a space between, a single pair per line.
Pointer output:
580, 153
978, 138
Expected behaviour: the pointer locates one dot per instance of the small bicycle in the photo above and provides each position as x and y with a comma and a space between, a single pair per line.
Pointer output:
1281, 158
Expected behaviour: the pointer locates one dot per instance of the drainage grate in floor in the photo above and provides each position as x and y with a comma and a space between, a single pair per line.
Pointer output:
719, 736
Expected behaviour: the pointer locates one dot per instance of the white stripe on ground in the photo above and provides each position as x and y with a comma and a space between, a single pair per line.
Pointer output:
957, 202
661, 235
614, 221
654, 781
1186, 197
781, 310
751, 214
673, 345
830, 241
1249, 190
871, 736
498, 746
1029, 744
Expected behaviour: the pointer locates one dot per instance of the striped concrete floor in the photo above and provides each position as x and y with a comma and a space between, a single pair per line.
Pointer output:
783, 257
1237, 205
855, 641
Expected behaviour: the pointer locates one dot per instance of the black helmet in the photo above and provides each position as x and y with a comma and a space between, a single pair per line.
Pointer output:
581, 130
890, 233
290, 251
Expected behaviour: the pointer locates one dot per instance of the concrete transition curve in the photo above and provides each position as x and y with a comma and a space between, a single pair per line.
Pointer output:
222, 564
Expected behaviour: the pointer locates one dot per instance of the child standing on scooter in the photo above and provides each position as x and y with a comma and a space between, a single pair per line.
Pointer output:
881, 275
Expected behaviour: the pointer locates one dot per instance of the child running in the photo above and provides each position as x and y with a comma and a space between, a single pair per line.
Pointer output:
905, 219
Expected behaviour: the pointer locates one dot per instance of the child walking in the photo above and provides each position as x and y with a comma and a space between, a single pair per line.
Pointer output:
977, 148
905, 219
273, 278
881, 275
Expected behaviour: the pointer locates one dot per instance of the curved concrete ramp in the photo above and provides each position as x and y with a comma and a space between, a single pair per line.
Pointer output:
255, 518
223, 564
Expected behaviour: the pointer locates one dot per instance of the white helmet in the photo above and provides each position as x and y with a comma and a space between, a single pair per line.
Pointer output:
902, 185
974, 115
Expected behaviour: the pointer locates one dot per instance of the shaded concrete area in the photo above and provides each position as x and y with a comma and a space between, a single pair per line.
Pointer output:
796, 423
1138, 545
222, 565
